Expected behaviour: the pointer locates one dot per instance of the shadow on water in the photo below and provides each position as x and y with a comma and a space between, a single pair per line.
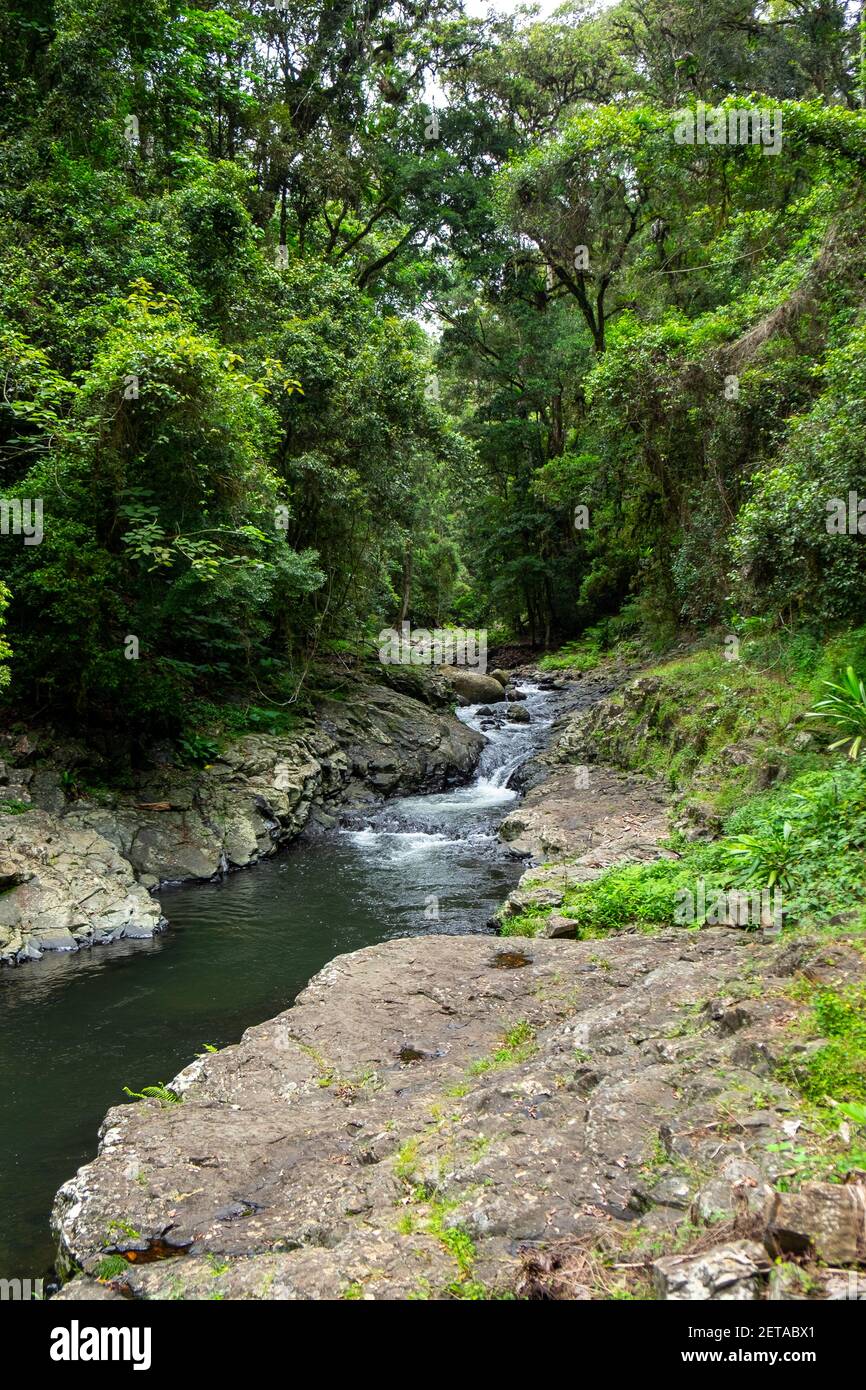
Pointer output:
74, 1031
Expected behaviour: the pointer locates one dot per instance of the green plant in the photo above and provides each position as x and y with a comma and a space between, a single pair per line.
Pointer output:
835, 1072
854, 1112
197, 749
769, 857
112, 1267
846, 710
164, 1094
518, 1045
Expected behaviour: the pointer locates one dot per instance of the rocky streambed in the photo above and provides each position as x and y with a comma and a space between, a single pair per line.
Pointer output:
79, 873
76, 1026
479, 1116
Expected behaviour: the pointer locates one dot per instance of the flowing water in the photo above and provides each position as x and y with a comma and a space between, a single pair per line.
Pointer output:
74, 1031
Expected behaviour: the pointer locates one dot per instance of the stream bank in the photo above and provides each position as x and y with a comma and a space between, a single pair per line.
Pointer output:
75, 1028
83, 872
478, 1117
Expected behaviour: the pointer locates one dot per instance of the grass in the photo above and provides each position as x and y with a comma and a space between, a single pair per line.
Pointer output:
582, 655
837, 1070
820, 858
682, 723
528, 923
805, 833
518, 1045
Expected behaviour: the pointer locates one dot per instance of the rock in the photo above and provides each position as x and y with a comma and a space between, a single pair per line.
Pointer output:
701, 821
517, 714
70, 888
824, 1219
502, 676
473, 687
614, 817
77, 878
731, 1273
737, 1187
322, 1116
425, 683
556, 925
671, 1191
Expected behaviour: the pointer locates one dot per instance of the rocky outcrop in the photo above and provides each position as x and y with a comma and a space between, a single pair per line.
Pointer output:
180, 824
433, 1110
579, 819
593, 812
63, 887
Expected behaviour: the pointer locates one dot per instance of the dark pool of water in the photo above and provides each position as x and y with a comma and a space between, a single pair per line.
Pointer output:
75, 1031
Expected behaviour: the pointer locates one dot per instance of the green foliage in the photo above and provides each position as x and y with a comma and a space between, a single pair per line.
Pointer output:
769, 858
220, 237
164, 1094
5, 649
583, 655
646, 896
837, 1070
517, 1045
112, 1267
845, 709
198, 749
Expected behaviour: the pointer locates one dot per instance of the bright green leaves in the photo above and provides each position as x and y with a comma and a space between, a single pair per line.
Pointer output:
845, 710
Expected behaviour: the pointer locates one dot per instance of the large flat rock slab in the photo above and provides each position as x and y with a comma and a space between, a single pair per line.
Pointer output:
428, 1108
595, 812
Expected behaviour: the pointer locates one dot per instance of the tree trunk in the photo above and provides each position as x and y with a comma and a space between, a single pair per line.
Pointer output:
407, 584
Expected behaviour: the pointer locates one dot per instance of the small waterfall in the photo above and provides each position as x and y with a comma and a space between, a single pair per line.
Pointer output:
464, 814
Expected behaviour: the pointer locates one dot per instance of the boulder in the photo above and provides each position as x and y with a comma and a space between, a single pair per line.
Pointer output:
474, 688
728, 1273
827, 1220
69, 887
557, 926
517, 714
